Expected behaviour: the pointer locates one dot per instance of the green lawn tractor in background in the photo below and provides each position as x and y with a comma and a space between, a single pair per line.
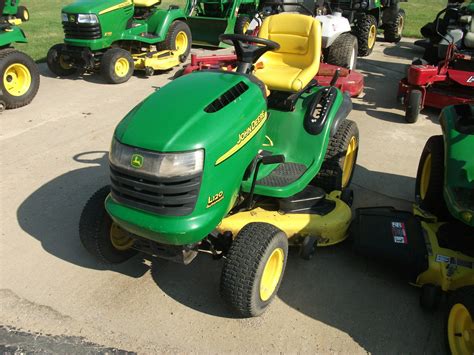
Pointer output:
434, 246
211, 18
116, 37
366, 16
254, 159
19, 74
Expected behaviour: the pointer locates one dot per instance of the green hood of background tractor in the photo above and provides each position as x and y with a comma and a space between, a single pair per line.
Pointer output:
94, 6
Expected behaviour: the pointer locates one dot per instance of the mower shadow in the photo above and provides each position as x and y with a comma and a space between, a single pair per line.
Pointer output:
405, 50
51, 214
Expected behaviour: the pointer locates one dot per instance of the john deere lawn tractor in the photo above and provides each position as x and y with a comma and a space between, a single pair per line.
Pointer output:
19, 74
255, 157
117, 36
366, 16
434, 246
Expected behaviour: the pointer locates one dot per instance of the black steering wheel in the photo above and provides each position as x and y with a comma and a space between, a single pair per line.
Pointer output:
248, 49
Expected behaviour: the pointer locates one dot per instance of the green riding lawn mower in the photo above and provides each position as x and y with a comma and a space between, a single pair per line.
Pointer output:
116, 37
434, 245
19, 74
366, 16
256, 159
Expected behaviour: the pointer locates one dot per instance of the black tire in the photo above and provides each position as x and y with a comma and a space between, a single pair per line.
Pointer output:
461, 297
330, 176
363, 25
58, 63
23, 13
242, 22
244, 266
94, 231
413, 106
430, 297
393, 31
26, 68
170, 41
343, 51
108, 66
433, 199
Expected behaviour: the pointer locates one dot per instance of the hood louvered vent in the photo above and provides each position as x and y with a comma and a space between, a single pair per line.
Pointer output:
226, 98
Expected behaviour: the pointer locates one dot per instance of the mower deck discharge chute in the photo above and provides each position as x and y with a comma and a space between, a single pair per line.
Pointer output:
19, 74
250, 163
116, 37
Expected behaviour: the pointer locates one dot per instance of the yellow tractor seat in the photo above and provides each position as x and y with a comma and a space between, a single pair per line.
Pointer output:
146, 3
291, 67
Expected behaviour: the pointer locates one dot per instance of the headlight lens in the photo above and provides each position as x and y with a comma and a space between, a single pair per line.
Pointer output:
87, 18
164, 165
64, 17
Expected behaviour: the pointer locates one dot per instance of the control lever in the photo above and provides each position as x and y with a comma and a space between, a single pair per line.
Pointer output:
334, 79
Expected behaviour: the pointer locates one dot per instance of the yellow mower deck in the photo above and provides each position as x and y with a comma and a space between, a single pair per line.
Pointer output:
162, 60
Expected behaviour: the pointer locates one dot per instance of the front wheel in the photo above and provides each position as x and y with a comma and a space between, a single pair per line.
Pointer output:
178, 39
394, 30
254, 268
459, 322
102, 237
23, 13
343, 51
19, 77
59, 63
339, 163
413, 108
117, 66
365, 29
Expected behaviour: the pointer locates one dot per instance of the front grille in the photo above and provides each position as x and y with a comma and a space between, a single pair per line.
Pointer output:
165, 196
73, 30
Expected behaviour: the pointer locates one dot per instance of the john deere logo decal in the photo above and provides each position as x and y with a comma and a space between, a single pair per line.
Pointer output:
72, 18
136, 161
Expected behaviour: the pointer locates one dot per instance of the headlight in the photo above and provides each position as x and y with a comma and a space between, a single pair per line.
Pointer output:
87, 18
64, 17
164, 165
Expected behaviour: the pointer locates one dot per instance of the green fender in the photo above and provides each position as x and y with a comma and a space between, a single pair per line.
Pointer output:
13, 35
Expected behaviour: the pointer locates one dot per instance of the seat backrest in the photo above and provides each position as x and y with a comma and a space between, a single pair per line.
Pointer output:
299, 37
146, 3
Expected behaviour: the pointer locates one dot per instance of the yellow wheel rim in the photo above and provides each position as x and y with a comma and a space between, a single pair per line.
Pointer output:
460, 330
181, 42
271, 274
17, 79
122, 66
372, 36
120, 238
63, 63
349, 161
26, 15
400, 26
246, 27
425, 177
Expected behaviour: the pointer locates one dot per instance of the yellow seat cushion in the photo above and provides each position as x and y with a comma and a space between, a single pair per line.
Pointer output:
291, 67
146, 3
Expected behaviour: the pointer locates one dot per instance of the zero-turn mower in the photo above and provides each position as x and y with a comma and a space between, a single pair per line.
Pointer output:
19, 74
434, 245
248, 165
117, 37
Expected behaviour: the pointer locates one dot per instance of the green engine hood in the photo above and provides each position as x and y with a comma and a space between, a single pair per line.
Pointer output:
94, 6
174, 118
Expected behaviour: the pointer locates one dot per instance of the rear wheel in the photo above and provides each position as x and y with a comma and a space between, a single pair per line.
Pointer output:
102, 237
459, 322
59, 63
430, 178
343, 51
365, 29
23, 13
242, 25
117, 66
178, 39
19, 77
413, 106
393, 32
340, 160
254, 268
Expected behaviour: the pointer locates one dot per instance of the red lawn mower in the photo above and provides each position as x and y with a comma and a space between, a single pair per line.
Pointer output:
450, 82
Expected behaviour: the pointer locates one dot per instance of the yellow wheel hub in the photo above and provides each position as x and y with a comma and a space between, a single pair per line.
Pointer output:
122, 66
372, 36
246, 27
64, 63
425, 177
181, 42
400, 26
17, 79
26, 15
460, 330
120, 238
349, 161
271, 274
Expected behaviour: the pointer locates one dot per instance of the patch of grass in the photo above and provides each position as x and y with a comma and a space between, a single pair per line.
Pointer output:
419, 13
